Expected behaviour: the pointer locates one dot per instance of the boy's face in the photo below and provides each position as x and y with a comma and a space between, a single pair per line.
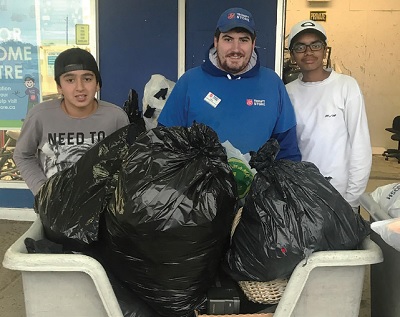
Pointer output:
79, 88
309, 60
234, 51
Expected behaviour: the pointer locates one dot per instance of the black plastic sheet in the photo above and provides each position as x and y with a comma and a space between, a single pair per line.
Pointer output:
131, 305
70, 202
290, 211
168, 224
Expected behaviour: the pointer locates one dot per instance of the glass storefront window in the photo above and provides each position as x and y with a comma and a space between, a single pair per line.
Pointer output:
32, 34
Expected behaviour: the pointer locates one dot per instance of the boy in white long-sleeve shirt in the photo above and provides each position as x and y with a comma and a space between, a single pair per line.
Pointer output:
332, 127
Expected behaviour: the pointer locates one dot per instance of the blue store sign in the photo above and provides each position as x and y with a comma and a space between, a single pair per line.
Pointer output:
19, 62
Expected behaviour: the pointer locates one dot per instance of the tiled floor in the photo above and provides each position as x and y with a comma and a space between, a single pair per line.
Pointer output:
11, 292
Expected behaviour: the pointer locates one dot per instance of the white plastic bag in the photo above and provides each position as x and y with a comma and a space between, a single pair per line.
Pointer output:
389, 230
156, 93
388, 198
240, 167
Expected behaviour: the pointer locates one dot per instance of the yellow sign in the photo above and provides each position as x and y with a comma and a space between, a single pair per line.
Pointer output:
82, 34
318, 15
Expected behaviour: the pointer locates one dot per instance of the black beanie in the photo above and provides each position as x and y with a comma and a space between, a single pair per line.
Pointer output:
75, 59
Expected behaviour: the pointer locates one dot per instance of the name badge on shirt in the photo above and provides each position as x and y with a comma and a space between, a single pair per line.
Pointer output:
212, 99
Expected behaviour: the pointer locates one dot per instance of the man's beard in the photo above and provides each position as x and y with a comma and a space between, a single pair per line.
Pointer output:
239, 68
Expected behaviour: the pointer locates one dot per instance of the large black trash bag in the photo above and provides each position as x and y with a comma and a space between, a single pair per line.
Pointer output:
131, 305
290, 211
70, 202
169, 222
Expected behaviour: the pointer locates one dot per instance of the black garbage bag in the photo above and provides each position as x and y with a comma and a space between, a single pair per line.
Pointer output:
168, 223
291, 211
131, 305
131, 107
70, 202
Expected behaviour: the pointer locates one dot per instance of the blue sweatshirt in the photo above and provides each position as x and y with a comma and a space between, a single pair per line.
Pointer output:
247, 110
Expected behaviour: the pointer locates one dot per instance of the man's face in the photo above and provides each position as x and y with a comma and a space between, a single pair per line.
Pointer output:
234, 51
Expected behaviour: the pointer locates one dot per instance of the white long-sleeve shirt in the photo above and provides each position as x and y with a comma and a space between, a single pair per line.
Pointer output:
332, 131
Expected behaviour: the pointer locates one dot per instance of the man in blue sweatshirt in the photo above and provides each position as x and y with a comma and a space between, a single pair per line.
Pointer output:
243, 102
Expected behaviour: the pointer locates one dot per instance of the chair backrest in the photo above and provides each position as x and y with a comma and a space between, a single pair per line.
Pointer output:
395, 125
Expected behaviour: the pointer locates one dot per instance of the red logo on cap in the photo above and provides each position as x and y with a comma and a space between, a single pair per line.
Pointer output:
249, 102
231, 16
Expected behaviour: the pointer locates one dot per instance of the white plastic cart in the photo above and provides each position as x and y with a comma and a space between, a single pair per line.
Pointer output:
385, 277
330, 283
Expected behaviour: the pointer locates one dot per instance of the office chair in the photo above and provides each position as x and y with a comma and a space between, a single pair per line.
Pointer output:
395, 129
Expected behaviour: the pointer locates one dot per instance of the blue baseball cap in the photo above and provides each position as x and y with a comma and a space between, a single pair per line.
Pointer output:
236, 18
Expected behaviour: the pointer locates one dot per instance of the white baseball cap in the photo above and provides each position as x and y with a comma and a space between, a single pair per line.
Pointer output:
306, 25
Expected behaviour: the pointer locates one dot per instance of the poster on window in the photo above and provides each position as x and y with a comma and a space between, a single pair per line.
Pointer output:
19, 62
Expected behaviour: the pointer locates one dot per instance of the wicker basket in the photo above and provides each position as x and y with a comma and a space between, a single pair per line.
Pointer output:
264, 292
260, 292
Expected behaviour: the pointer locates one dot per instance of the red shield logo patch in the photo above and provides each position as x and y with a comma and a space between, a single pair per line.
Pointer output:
249, 102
